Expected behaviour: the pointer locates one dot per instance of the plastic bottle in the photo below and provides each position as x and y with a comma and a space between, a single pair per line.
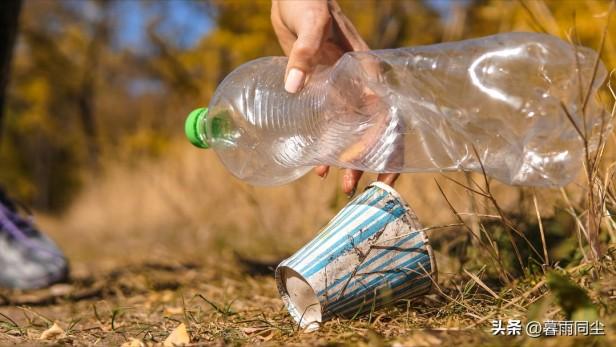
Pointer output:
418, 109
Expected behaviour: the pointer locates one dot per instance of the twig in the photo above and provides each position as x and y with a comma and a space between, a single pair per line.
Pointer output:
480, 282
532, 16
598, 58
505, 220
546, 260
505, 276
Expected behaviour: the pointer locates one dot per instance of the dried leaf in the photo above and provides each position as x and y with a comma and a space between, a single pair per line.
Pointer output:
61, 289
133, 342
178, 337
53, 333
250, 330
267, 337
174, 310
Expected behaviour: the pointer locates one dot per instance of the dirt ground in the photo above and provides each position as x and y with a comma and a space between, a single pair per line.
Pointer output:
231, 301
180, 249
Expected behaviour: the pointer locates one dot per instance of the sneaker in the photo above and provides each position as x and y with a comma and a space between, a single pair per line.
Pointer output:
28, 259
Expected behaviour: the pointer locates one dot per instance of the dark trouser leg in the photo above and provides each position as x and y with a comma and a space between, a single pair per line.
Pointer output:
9, 18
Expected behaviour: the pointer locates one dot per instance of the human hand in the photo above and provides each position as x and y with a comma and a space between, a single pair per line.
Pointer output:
311, 33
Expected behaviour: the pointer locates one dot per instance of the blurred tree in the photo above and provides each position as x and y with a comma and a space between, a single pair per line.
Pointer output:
562, 18
51, 127
391, 24
79, 99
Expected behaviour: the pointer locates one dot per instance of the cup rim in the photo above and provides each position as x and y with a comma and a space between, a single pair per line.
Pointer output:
308, 326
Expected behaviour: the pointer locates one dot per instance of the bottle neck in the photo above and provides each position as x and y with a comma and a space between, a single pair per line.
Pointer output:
194, 128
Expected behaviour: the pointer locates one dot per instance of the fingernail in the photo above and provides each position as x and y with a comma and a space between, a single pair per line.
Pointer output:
348, 186
295, 80
324, 176
351, 193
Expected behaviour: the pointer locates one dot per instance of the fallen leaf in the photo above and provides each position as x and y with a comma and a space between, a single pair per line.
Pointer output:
263, 333
268, 336
133, 342
178, 337
61, 289
53, 333
251, 330
174, 310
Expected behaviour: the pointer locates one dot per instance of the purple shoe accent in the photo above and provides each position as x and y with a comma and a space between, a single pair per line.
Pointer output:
28, 259
7, 223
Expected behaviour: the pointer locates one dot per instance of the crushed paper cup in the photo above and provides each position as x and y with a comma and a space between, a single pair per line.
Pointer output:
372, 253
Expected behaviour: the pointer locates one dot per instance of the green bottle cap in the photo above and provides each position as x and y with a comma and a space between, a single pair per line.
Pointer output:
191, 127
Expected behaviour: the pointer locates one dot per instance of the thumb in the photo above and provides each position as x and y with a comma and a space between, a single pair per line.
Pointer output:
304, 53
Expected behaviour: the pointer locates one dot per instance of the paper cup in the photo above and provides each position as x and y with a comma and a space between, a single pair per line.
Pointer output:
373, 252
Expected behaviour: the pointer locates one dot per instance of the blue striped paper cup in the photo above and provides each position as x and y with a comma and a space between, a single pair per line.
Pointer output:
372, 253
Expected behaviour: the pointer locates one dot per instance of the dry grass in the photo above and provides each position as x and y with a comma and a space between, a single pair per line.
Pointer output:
154, 244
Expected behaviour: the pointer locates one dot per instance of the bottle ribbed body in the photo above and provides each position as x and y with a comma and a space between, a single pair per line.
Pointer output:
501, 101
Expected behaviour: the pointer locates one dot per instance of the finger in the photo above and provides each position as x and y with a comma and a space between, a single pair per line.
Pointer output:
388, 178
322, 170
347, 32
305, 50
285, 37
350, 180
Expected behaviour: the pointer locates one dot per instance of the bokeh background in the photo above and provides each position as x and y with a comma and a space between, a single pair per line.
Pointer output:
158, 232
92, 136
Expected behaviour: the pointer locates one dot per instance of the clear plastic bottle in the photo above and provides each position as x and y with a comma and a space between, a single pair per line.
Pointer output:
418, 109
